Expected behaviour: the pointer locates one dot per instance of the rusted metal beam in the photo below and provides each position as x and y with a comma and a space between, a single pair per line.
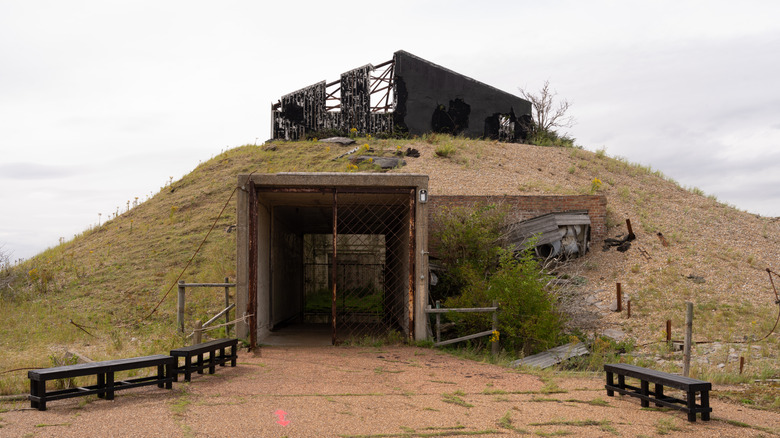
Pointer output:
381, 89
392, 61
333, 274
375, 190
412, 199
461, 309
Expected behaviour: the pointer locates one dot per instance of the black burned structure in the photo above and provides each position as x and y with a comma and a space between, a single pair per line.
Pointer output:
404, 96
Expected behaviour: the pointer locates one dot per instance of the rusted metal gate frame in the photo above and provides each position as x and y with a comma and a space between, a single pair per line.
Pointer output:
253, 247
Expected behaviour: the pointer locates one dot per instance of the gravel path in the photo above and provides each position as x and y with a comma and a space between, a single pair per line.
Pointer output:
368, 391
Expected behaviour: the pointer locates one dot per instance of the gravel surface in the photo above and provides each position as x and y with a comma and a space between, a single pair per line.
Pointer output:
370, 391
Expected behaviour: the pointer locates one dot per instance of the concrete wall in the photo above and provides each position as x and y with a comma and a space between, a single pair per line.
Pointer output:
287, 272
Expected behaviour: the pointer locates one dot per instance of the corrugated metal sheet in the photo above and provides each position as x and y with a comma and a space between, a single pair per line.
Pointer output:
552, 356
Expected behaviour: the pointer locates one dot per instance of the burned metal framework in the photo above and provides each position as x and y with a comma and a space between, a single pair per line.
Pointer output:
363, 100
405, 95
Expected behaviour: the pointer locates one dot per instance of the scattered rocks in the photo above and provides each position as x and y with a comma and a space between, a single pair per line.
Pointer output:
695, 278
414, 153
616, 334
383, 162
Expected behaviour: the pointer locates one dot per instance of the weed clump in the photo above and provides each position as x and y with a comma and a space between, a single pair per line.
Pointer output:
478, 268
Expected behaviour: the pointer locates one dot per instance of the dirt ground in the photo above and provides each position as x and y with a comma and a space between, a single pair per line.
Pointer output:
371, 392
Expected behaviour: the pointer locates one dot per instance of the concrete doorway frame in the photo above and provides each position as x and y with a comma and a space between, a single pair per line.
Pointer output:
260, 193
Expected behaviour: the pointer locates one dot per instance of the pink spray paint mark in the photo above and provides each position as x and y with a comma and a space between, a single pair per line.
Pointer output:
281, 414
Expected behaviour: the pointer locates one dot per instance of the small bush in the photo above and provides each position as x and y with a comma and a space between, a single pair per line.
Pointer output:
551, 138
529, 320
445, 150
478, 270
467, 243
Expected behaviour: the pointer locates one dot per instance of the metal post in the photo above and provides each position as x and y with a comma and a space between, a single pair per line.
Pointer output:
631, 235
688, 336
619, 299
741, 364
628, 308
494, 349
438, 322
668, 330
333, 274
180, 307
227, 304
412, 199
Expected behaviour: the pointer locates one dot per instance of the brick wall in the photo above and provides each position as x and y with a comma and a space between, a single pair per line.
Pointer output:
527, 207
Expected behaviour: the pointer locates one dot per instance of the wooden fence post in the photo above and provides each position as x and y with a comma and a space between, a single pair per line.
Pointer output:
227, 304
197, 338
668, 330
688, 338
495, 347
180, 307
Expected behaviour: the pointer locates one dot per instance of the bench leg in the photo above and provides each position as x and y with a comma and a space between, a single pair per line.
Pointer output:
659, 393
170, 372
187, 368
200, 363
110, 385
212, 361
645, 391
222, 357
233, 354
705, 403
38, 389
621, 381
160, 376
691, 399
610, 382
101, 383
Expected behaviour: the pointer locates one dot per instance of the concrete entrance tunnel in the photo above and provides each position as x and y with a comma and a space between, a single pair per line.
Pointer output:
326, 257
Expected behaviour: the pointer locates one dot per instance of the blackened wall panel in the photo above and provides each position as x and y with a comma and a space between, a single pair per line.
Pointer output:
433, 98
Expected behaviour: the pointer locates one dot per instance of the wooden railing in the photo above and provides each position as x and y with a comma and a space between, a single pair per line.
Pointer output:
438, 311
226, 311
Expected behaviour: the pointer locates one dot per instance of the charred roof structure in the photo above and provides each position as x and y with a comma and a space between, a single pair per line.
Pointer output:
406, 95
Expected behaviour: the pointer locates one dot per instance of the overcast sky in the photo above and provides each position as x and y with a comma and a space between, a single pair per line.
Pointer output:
102, 101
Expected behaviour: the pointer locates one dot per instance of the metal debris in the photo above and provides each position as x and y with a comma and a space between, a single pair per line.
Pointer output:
552, 356
344, 141
557, 234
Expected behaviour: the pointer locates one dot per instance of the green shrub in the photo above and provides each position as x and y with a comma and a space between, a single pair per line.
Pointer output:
528, 320
551, 138
478, 270
467, 243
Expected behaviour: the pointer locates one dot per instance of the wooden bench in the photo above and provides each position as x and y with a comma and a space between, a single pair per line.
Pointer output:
199, 350
660, 379
105, 372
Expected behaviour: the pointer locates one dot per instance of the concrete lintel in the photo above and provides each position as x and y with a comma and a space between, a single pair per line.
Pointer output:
337, 179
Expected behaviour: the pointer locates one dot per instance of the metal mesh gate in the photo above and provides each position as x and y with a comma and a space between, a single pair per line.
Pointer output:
361, 280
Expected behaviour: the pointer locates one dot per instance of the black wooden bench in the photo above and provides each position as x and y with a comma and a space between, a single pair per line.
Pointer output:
105, 372
660, 379
217, 356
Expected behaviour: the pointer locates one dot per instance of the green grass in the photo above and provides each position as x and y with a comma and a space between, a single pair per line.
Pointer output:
455, 399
